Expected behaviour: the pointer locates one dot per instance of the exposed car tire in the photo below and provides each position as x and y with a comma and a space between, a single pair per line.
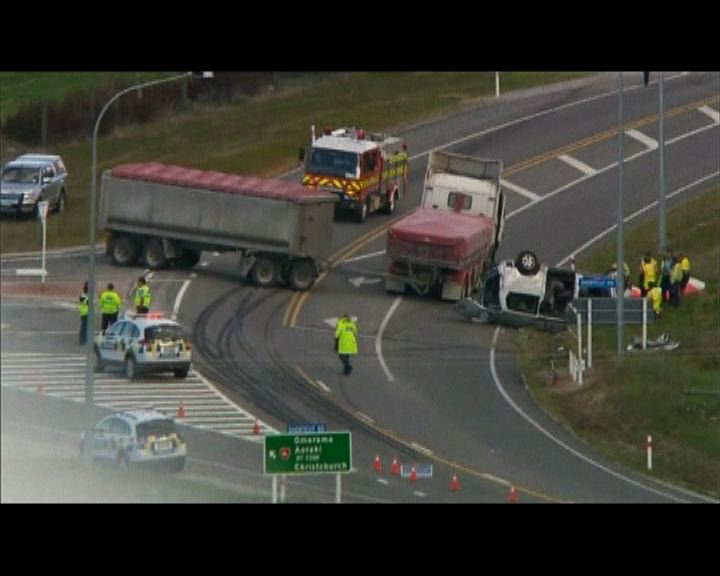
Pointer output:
264, 273
61, 202
527, 263
125, 251
154, 254
302, 275
131, 369
181, 372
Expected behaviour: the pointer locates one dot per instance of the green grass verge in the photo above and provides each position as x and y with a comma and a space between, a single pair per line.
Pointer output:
671, 395
260, 135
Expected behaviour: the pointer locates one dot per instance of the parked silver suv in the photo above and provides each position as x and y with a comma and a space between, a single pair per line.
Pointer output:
31, 178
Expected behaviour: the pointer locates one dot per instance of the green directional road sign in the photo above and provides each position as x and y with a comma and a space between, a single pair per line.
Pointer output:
311, 453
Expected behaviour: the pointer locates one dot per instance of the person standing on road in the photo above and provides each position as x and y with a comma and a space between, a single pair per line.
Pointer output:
346, 341
142, 296
83, 311
109, 306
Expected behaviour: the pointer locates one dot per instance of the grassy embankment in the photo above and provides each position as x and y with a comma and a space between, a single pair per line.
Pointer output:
259, 135
672, 395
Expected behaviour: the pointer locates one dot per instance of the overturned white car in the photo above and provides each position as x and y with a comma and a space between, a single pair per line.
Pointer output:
524, 292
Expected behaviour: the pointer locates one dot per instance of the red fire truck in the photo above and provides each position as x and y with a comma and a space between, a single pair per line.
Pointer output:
368, 172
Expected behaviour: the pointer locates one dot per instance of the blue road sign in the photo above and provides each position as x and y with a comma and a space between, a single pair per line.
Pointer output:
597, 282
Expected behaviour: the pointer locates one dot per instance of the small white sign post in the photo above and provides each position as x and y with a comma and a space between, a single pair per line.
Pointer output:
42, 214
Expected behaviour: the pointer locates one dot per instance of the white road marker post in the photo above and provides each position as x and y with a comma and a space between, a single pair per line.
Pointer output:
497, 84
648, 445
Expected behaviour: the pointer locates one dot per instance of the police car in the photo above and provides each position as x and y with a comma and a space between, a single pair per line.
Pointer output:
144, 342
137, 437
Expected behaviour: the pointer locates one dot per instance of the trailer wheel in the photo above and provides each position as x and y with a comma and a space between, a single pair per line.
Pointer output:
154, 254
264, 273
125, 251
302, 275
527, 263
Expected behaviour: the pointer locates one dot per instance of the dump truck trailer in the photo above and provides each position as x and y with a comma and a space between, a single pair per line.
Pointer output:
167, 215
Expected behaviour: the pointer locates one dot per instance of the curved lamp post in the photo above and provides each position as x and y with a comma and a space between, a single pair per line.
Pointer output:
91, 266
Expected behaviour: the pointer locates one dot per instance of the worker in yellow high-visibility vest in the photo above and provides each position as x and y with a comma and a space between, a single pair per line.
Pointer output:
109, 306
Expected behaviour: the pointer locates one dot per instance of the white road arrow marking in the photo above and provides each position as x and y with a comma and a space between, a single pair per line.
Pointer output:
360, 280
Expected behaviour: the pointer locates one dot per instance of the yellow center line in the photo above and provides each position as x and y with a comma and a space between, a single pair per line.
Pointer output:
595, 138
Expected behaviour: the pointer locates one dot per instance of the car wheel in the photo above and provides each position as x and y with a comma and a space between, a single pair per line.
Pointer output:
61, 202
363, 212
527, 263
131, 370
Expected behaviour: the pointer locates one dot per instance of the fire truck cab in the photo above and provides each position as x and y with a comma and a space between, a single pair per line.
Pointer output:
368, 172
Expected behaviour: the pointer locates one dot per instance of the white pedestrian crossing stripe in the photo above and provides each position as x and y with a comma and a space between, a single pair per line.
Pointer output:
63, 376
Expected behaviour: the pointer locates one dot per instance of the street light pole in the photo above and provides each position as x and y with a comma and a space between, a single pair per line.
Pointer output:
661, 231
89, 391
620, 276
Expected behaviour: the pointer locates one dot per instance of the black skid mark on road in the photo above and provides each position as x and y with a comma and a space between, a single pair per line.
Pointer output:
270, 384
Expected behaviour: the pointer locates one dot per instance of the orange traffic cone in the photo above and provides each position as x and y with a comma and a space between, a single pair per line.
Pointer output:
256, 428
395, 467
413, 474
512, 496
377, 465
181, 410
454, 483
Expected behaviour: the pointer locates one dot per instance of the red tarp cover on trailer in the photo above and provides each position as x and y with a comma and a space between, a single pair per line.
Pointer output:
219, 181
